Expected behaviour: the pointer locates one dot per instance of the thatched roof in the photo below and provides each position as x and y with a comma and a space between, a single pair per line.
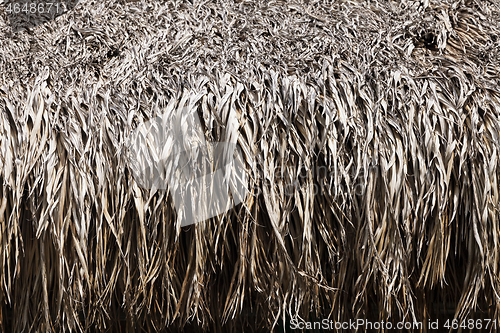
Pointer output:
370, 133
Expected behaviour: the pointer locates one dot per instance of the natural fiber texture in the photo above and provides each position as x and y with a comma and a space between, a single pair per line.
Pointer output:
370, 133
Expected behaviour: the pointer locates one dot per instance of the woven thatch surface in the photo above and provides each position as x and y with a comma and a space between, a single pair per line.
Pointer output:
371, 136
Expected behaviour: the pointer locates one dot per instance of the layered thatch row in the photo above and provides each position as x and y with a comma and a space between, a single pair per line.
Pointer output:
370, 133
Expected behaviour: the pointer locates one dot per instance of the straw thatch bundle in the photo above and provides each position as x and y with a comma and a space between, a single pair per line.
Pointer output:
370, 133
